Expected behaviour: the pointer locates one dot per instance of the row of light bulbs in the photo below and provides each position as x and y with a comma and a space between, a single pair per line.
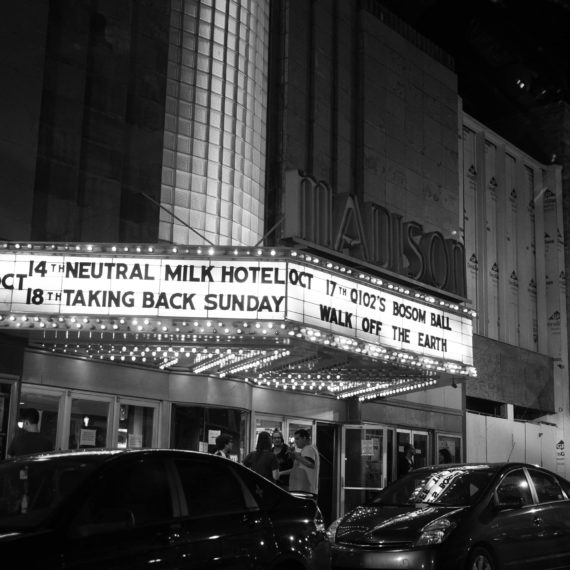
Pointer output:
175, 331
334, 382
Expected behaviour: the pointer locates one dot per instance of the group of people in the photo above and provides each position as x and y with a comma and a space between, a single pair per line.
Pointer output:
278, 462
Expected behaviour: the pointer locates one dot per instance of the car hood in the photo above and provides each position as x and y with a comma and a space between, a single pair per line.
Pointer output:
5, 535
388, 525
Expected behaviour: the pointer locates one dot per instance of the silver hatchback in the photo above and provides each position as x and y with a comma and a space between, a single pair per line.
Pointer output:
460, 517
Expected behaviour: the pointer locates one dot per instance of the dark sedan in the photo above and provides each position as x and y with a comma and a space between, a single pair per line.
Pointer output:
460, 517
160, 509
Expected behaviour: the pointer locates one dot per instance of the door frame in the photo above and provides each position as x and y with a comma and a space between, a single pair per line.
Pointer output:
442, 435
60, 394
141, 403
90, 397
412, 432
342, 461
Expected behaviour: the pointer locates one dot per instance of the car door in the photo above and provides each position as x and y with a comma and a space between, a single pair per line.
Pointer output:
513, 531
222, 524
553, 510
126, 519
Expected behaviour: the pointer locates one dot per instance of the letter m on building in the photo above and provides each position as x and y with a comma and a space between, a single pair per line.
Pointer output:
308, 209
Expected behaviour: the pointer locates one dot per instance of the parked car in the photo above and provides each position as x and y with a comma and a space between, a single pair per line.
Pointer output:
157, 509
460, 517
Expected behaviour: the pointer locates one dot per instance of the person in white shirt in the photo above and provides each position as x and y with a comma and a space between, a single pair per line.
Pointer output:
305, 471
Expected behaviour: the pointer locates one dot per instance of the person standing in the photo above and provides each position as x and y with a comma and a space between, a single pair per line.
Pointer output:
281, 451
445, 455
224, 444
29, 439
406, 460
305, 472
262, 460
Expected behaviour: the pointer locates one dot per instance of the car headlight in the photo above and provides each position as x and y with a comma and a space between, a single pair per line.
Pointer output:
435, 532
331, 531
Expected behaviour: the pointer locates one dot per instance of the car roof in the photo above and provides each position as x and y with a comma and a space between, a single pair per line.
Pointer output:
473, 466
104, 454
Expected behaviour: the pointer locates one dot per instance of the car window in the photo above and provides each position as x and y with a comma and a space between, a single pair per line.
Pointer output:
209, 488
266, 494
31, 491
514, 487
565, 486
547, 487
446, 486
131, 493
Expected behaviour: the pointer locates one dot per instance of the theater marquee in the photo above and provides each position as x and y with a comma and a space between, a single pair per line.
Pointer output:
258, 288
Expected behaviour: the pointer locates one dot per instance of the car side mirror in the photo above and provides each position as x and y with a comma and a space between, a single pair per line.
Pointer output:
505, 503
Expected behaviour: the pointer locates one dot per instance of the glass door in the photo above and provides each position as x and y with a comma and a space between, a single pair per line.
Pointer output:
420, 441
49, 402
89, 422
137, 424
8, 391
363, 464
292, 425
453, 445
269, 424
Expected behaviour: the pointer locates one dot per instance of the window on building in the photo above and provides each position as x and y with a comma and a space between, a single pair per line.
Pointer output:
486, 407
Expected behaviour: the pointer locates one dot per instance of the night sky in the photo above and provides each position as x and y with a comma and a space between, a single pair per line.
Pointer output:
511, 55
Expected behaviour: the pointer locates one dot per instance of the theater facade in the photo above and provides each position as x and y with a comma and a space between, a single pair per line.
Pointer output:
289, 222
145, 346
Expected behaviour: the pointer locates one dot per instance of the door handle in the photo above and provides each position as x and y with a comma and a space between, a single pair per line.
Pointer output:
251, 520
169, 538
172, 535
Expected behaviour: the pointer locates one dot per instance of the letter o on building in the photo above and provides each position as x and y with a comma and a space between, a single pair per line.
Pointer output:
436, 258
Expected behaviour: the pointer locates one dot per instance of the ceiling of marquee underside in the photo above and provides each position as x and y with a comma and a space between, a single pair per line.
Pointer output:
283, 363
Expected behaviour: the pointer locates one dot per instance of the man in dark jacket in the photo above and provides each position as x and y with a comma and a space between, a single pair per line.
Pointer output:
406, 460
29, 439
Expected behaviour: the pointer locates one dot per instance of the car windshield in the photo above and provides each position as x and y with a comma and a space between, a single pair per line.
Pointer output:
448, 487
31, 490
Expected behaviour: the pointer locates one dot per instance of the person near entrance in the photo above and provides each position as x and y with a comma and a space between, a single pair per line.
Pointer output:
281, 451
29, 439
262, 460
224, 444
445, 455
406, 460
304, 475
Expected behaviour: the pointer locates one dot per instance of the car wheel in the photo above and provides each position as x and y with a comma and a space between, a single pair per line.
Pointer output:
481, 559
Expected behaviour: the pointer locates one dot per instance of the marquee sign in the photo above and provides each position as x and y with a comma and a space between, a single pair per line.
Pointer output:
35, 283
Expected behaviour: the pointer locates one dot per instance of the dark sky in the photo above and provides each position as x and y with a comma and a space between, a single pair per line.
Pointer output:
511, 55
